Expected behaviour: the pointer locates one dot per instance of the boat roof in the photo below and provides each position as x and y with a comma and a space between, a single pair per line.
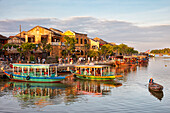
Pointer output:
91, 66
34, 65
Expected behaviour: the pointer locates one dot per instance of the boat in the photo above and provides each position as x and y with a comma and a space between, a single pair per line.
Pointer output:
63, 72
44, 73
94, 72
159, 95
155, 87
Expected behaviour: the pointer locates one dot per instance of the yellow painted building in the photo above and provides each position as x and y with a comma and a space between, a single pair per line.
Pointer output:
94, 45
38, 34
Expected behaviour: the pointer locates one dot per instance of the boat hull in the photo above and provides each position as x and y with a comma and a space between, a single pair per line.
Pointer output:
36, 79
155, 87
96, 78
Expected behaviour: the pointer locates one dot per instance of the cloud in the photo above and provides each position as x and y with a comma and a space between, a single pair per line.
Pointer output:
142, 38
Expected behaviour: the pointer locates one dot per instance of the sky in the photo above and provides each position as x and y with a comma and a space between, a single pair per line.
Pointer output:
142, 24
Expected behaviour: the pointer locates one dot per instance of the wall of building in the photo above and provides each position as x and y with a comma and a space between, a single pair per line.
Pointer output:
94, 44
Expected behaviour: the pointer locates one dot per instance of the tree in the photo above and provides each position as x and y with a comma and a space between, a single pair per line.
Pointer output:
106, 50
92, 53
122, 49
70, 45
45, 47
161, 51
1, 47
87, 47
26, 49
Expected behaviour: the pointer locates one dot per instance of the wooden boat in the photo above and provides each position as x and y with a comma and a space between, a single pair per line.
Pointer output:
94, 72
159, 95
45, 73
155, 87
63, 72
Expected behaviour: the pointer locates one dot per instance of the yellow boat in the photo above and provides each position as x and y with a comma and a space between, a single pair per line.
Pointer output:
94, 72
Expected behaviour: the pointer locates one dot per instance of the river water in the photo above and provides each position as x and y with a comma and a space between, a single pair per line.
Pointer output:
127, 95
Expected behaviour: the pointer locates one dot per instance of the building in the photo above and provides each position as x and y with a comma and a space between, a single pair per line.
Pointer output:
3, 41
39, 34
17, 41
94, 45
55, 37
101, 42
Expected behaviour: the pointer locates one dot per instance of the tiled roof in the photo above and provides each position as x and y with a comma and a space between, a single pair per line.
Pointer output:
3, 37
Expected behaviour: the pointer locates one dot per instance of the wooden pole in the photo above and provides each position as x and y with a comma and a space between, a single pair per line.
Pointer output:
56, 71
94, 72
101, 71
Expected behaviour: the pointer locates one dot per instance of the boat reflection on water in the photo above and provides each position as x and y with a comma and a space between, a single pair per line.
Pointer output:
159, 95
95, 88
123, 70
39, 94
42, 94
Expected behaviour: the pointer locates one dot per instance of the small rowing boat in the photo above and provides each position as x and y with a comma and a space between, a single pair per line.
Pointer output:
155, 87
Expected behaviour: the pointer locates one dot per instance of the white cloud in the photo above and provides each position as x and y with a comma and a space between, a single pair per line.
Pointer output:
142, 38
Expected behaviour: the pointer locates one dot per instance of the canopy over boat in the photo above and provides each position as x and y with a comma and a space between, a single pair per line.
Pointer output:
92, 66
34, 65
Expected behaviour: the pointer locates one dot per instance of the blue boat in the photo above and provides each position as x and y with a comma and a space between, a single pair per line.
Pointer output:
45, 73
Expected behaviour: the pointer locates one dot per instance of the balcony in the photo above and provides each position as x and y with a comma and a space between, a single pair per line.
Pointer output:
56, 43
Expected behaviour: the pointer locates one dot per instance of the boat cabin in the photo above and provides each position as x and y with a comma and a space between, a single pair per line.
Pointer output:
46, 70
93, 70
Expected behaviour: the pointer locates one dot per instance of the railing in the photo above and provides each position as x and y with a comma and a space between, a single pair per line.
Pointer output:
56, 43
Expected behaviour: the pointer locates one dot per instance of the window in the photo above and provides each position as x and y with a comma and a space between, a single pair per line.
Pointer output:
77, 40
30, 39
81, 42
81, 52
55, 40
85, 41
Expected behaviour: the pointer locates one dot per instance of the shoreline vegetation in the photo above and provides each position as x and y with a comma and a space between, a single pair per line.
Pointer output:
165, 51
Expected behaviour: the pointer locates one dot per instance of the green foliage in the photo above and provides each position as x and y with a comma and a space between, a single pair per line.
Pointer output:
92, 53
1, 47
9, 45
70, 44
45, 47
161, 51
26, 49
106, 49
32, 58
57, 58
64, 54
123, 49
